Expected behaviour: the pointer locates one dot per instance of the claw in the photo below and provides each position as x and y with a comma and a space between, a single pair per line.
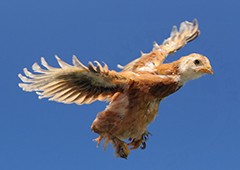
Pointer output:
121, 148
122, 153
143, 145
146, 135
141, 142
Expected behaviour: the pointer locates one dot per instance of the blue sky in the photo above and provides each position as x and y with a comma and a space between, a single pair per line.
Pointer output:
197, 128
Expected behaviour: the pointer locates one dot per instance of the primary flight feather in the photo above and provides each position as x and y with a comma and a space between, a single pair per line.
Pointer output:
133, 94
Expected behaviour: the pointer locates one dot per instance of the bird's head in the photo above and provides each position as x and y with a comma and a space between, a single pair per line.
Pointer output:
193, 66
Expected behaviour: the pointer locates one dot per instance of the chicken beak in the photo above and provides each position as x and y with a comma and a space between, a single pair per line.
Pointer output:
207, 70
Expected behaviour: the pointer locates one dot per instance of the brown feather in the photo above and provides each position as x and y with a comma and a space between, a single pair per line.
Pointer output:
65, 83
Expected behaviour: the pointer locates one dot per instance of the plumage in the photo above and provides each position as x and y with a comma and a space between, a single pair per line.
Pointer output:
133, 94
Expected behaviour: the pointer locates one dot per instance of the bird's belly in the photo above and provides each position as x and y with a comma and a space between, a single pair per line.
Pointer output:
136, 122
130, 128
125, 120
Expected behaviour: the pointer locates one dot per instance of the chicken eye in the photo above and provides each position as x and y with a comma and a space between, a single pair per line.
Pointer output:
196, 62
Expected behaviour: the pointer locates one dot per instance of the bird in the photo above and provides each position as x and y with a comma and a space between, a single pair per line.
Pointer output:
133, 94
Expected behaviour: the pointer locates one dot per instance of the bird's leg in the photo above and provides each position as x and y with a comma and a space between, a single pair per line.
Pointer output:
135, 143
140, 142
121, 148
98, 140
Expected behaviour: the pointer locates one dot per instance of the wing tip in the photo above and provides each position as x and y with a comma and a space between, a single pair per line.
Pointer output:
187, 32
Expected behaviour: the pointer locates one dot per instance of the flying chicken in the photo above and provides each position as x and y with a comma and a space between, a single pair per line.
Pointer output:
133, 94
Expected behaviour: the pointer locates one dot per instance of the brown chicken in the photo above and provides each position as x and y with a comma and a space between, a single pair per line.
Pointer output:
133, 94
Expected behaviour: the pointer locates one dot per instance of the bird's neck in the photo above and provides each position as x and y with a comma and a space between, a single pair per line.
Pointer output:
174, 69
168, 69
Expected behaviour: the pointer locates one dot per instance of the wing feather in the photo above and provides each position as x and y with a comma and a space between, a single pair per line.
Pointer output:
75, 83
188, 31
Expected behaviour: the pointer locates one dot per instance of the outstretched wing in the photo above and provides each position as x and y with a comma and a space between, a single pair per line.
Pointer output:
147, 62
73, 83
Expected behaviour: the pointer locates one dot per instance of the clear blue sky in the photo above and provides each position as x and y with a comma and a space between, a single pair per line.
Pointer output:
198, 128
